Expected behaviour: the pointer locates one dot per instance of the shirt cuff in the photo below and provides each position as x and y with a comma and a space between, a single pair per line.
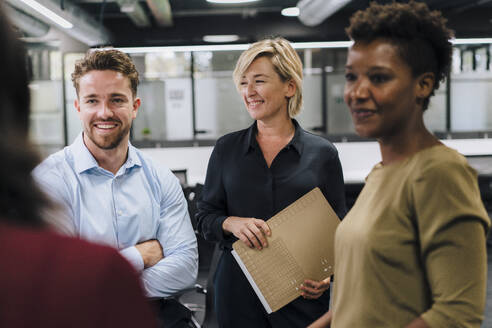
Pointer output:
132, 255
219, 232
435, 319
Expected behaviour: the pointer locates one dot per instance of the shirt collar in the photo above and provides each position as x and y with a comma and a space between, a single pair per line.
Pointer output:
133, 159
297, 141
83, 159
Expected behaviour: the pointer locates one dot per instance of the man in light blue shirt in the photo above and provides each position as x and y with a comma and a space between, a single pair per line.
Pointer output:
110, 192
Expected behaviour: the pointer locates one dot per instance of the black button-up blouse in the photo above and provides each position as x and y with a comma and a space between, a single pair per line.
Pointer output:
239, 182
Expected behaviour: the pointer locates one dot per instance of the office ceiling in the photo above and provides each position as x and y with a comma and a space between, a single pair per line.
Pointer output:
185, 22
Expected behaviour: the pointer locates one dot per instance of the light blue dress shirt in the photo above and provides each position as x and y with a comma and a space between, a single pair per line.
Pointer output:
142, 201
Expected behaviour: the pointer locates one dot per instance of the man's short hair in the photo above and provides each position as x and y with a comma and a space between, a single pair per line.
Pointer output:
107, 59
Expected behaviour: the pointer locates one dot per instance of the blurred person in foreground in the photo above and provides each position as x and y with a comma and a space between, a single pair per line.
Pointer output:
255, 173
47, 280
113, 194
411, 252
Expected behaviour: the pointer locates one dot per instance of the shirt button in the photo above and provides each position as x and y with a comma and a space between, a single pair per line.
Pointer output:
120, 213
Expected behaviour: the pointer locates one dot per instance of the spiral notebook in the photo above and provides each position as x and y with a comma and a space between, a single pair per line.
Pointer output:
300, 247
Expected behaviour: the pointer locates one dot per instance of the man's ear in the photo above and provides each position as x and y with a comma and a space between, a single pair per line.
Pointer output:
76, 104
136, 105
425, 85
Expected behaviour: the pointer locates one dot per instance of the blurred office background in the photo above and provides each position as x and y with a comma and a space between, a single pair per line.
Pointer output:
185, 51
186, 86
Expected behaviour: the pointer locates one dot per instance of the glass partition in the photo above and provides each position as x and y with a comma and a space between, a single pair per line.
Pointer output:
188, 95
311, 115
46, 119
471, 89
166, 93
218, 105
73, 123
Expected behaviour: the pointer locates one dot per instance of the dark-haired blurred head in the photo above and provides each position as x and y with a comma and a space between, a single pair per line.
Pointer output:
20, 200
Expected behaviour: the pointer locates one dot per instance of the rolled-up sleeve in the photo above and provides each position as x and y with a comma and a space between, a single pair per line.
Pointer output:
456, 267
452, 226
179, 267
132, 255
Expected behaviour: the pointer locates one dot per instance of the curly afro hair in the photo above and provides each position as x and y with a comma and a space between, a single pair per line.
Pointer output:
421, 35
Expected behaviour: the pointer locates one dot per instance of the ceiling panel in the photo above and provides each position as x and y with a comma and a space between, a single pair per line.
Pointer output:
192, 19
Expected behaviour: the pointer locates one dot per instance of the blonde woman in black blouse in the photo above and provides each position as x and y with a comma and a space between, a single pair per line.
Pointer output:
256, 172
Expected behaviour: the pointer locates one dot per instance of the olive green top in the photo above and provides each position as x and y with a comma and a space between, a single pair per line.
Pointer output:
413, 245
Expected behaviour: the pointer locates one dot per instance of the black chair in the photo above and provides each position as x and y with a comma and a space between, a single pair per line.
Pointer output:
209, 254
210, 320
182, 176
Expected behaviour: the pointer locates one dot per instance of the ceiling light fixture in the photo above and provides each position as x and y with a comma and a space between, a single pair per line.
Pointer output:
48, 13
231, 47
314, 12
244, 46
322, 44
472, 41
290, 12
230, 1
127, 8
215, 47
221, 38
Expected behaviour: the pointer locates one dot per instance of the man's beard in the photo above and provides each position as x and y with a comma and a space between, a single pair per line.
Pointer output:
110, 141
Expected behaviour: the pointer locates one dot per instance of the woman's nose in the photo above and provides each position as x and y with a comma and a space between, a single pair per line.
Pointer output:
360, 90
250, 89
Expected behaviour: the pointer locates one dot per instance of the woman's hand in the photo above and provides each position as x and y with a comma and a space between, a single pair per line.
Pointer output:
251, 231
314, 289
418, 323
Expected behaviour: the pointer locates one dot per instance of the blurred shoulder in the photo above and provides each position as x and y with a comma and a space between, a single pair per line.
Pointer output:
61, 254
315, 142
232, 139
54, 164
441, 158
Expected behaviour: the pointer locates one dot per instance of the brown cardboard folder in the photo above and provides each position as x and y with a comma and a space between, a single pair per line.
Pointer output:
300, 247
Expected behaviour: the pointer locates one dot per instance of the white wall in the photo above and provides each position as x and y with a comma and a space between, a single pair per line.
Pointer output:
357, 158
194, 159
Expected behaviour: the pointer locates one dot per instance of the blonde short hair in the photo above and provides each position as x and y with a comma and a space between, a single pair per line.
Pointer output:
284, 59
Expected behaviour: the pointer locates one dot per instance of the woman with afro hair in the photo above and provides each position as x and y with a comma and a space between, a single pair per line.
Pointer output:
411, 252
